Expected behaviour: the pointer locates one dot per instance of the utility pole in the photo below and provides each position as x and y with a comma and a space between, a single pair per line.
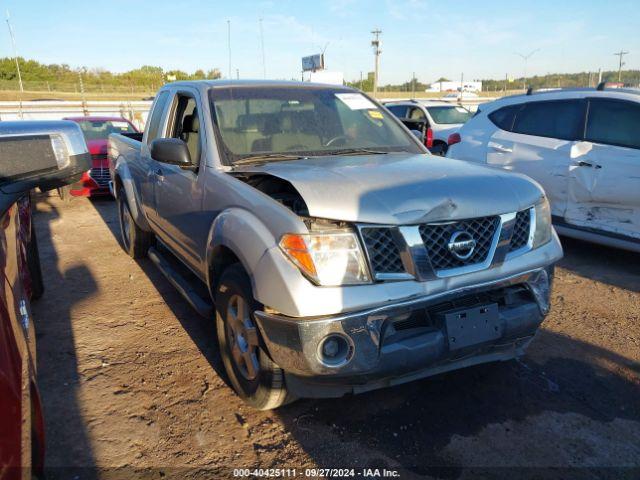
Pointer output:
85, 110
375, 43
413, 85
264, 62
526, 58
15, 52
360, 79
229, 44
621, 55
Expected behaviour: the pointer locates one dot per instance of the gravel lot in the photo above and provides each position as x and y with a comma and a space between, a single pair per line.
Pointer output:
132, 386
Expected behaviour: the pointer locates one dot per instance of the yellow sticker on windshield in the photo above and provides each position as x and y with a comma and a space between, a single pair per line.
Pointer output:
375, 114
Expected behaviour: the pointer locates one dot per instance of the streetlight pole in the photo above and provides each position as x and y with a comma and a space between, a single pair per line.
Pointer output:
15, 52
525, 58
229, 44
375, 43
264, 62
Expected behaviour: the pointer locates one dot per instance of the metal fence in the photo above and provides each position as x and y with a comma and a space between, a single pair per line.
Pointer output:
136, 111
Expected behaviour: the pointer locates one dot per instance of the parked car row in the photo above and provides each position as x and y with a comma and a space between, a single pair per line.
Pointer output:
46, 155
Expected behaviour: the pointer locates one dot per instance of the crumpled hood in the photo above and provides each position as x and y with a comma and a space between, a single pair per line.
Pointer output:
402, 188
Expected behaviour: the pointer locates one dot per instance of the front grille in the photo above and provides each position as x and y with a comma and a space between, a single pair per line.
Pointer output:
436, 238
521, 229
100, 175
383, 251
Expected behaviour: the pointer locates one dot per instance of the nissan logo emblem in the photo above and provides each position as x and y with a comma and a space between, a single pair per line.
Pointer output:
461, 245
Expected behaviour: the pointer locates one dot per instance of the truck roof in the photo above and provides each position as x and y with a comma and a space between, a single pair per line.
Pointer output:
206, 84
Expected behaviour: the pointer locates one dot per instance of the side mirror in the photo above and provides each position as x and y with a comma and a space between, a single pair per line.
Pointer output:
172, 151
44, 154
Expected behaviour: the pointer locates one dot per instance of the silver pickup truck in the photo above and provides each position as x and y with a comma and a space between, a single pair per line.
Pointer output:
334, 252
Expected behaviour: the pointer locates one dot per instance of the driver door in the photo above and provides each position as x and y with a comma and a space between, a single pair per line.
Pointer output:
179, 191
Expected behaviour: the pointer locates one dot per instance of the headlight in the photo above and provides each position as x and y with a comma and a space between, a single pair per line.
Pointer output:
542, 233
327, 258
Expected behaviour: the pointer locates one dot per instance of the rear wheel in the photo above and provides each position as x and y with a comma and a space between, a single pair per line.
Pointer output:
135, 241
253, 375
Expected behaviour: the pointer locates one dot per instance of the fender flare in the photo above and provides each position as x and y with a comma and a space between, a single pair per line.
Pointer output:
244, 234
123, 174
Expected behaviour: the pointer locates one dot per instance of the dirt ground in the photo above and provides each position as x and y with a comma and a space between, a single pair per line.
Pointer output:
132, 386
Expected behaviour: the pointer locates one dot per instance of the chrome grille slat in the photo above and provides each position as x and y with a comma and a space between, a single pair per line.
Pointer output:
436, 238
384, 254
100, 175
521, 230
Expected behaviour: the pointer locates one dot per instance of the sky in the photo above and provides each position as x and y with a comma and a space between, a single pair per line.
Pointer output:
479, 39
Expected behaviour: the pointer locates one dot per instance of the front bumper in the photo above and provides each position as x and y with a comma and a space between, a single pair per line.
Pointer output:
88, 187
403, 341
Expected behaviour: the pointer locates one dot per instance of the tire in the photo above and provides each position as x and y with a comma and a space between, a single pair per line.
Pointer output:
65, 194
439, 149
33, 264
254, 376
135, 241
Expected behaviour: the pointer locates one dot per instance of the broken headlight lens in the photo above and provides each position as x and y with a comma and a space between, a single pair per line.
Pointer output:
327, 258
542, 232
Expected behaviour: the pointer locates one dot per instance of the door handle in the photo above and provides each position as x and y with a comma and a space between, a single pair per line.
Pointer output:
587, 164
501, 149
159, 173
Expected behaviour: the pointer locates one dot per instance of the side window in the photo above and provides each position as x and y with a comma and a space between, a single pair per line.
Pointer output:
503, 117
399, 111
185, 125
560, 119
614, 123
156, 117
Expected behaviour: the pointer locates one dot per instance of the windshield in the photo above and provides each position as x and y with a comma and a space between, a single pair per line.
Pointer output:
449, 114
265, 122
100, 129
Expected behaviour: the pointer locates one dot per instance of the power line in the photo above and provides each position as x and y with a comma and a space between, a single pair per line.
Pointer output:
620, 54
375, 43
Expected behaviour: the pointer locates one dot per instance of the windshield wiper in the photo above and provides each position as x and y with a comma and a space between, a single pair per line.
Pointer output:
268, 157
355, 151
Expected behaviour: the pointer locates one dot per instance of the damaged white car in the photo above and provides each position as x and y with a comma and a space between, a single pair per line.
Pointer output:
581, 145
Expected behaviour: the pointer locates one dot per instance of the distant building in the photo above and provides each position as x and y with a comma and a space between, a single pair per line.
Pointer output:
442, 87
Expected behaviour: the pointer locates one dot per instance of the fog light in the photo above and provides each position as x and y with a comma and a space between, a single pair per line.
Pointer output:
335, 350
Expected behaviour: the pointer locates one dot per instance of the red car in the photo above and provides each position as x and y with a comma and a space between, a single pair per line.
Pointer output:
34, 154
96, 130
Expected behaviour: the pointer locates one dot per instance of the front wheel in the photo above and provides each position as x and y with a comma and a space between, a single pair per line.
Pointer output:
253, 375
135, 241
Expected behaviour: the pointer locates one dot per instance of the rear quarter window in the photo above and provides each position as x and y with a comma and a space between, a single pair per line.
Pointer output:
561, 119
503, 117
613, 122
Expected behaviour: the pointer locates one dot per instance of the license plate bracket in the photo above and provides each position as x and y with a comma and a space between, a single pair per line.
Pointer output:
472, 326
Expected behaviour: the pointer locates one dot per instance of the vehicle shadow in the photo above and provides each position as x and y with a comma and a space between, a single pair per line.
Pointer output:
201, 330
67, 441
604, 264
495, 415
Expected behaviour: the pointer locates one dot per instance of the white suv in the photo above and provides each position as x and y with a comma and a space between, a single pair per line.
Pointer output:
582, 146
442, 118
